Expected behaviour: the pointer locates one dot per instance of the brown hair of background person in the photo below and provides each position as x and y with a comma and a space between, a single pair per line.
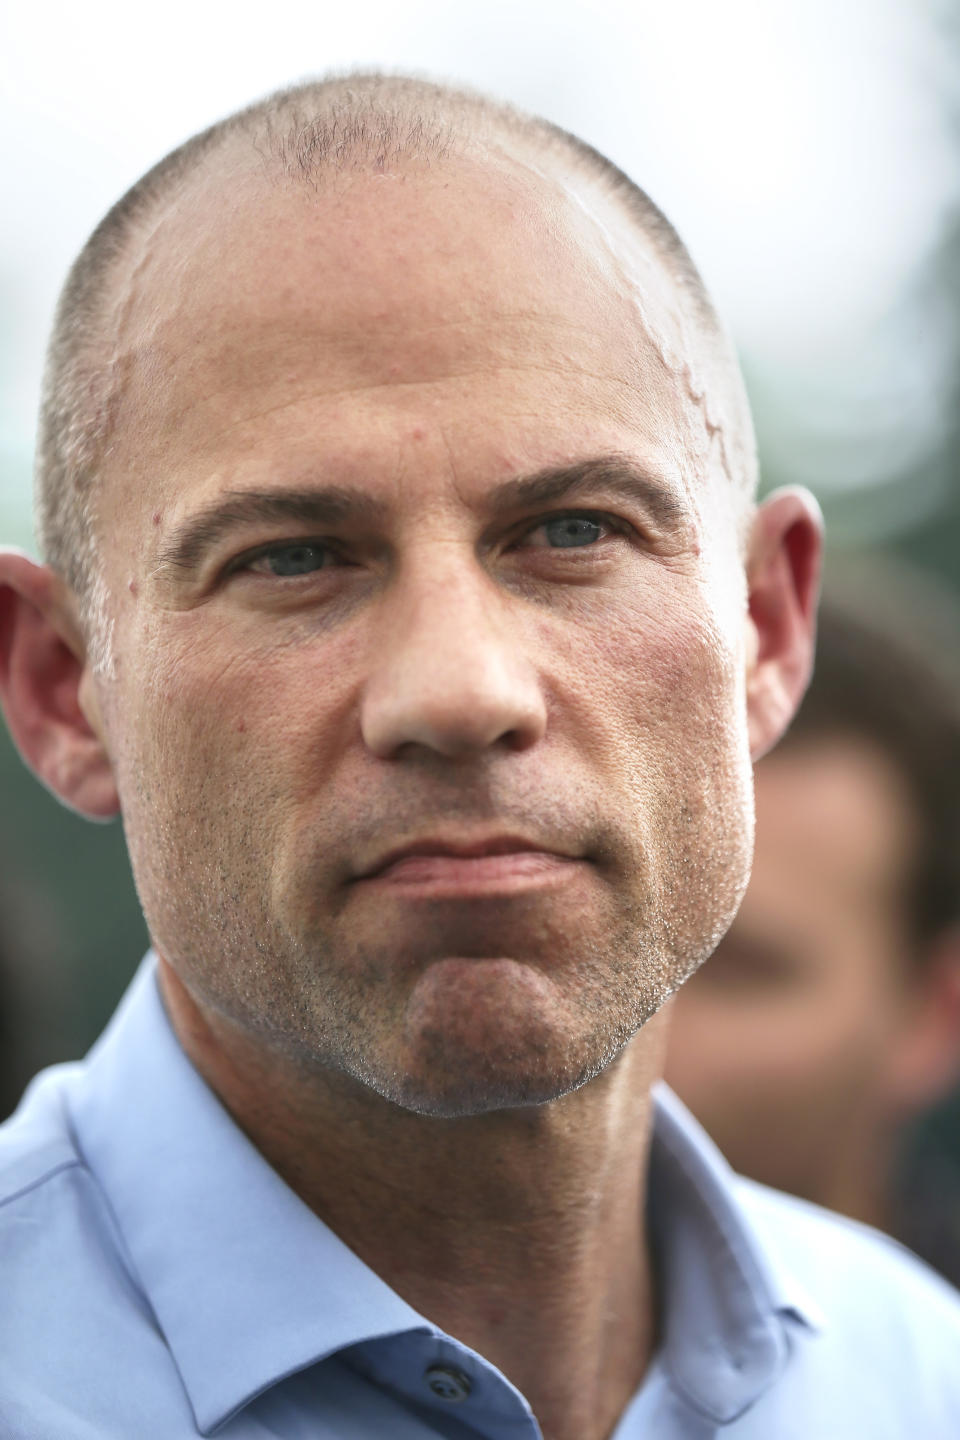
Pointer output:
829, 1016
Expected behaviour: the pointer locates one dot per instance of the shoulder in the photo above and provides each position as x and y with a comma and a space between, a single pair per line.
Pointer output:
55, 1225
887, 1325
69, 1302
35, 1142
830, 1252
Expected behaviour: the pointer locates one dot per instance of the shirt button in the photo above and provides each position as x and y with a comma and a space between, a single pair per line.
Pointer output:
447, 1384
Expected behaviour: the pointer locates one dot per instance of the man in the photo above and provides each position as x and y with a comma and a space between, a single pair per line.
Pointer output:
829, 1016
406, 597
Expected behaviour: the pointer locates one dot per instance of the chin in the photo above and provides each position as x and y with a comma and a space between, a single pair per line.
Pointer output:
480, 1087
507, 1057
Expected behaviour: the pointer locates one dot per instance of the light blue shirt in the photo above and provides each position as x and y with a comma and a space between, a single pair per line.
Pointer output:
159, 1280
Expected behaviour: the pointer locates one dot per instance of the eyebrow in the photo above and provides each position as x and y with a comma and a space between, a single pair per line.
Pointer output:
338, 505
326, 505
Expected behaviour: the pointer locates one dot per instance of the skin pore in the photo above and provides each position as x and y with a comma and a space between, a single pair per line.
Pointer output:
493, 588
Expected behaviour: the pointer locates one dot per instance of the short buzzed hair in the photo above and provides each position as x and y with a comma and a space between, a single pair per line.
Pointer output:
362, 121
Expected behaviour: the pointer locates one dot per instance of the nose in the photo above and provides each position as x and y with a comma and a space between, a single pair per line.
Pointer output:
450, 674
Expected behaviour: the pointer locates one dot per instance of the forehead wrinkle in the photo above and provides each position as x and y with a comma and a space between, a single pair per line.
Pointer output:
630, 247
674, 362
153, 248
130, 281
142, 274
629, 385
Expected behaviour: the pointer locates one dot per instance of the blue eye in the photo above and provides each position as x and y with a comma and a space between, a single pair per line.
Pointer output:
288, 560
566, 531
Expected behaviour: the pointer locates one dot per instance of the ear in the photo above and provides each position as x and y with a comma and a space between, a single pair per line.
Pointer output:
783, 579
46, 688
925, 1061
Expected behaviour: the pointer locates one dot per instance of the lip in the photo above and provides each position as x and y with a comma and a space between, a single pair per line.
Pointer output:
499, 864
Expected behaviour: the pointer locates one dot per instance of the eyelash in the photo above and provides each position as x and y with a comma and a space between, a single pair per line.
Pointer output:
610, 522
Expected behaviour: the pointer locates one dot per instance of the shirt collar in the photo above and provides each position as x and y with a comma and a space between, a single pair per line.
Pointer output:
248, 1286
729, 1296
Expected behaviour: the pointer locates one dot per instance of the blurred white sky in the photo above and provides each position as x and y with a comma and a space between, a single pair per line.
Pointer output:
801, 148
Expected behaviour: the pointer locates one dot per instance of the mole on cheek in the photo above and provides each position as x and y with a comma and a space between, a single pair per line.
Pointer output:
132, 587
156, 517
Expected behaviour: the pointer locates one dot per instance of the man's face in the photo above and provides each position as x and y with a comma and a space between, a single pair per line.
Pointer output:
785, 1043
399, 644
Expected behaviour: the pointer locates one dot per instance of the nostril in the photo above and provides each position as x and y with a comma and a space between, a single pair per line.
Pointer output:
453, 719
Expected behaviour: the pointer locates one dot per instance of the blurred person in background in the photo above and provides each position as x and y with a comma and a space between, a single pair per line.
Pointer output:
829, 1017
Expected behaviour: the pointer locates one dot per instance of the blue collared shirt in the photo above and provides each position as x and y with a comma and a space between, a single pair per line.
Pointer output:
159, 1280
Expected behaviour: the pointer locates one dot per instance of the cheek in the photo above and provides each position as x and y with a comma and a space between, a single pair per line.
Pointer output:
656, 696
222, 743
210, 731
676, 697
212, 696
659, 654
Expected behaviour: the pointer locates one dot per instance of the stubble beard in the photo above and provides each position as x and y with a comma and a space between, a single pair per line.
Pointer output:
500, 1032
248, 917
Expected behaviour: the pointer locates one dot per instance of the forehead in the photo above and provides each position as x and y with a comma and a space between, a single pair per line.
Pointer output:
258, 311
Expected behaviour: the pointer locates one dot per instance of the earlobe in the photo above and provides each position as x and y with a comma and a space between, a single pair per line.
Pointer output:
43, 673
783, 576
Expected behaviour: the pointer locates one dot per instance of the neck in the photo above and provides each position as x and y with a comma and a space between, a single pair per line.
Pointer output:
519, 1232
